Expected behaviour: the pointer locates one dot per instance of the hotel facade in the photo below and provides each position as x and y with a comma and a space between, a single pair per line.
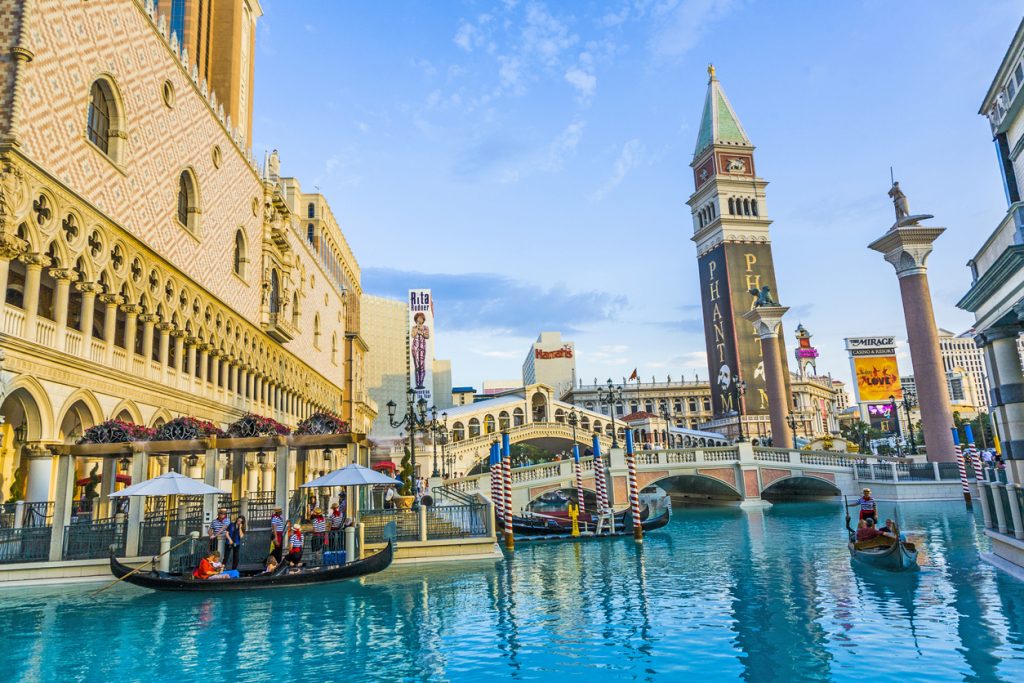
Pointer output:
151, 268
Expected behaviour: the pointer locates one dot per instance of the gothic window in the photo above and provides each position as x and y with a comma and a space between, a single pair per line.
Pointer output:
295, 309
188, 201
753, 206
334, 349
309, 233
239, 259
316, 331
311, 210
275, 294
103, 119
15, 295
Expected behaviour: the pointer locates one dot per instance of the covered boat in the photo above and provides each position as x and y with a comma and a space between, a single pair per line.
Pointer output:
283, 577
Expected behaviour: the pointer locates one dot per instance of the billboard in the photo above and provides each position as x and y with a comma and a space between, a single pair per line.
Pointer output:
727, 272
878, 378
421, 344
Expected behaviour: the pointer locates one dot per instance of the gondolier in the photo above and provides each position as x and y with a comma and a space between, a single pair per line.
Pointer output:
277, 531
868, 506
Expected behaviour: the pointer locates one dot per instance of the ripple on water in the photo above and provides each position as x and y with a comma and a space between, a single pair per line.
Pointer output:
718, 595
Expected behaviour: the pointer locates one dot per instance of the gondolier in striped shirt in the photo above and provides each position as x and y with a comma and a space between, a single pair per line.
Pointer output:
319, 530
218, 527
294, 556
277, 525
868, 506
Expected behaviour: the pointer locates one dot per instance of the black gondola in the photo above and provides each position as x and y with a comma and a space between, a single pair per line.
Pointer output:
283, 577
546, 525
560, 534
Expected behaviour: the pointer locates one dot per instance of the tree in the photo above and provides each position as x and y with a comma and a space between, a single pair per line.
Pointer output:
408, 481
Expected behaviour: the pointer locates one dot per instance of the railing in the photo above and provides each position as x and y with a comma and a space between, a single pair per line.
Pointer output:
14, 321
120, 359
33, 515
24, 545
725, 454
374, 521
909, 471
97, 351
544, 471
46, 332
457, 521
763, 455
138, 366
73, 342
261, 507
150, 532
93, 540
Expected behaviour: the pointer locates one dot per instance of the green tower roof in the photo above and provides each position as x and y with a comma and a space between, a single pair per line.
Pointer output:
719, 123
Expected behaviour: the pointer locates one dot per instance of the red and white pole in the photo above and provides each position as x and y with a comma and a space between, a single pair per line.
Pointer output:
506, 474
497, 497
599, 481
960, 466
579, 480
979, 475
634, 492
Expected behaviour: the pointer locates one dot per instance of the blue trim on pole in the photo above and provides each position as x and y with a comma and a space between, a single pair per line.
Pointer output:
629, 441
969, 433
956, 436
576, 452
597, 446
495, 458
506, 447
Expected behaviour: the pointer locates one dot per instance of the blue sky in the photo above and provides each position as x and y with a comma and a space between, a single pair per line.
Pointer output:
529, 161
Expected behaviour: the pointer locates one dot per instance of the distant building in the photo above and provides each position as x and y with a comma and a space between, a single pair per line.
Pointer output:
442, 384
688, 402
462, 396
491, 387
551, 361
387, 365
960, 353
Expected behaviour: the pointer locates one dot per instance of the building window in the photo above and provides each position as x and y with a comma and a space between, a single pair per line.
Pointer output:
295, 309
188, 201
707, 404
275, 294
309, 234
100, 105
239, 260
316, 331
334, 349
693, 405
311, 210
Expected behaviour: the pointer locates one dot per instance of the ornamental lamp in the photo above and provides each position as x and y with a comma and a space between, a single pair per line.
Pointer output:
192, 460
21, 433
328, 454
261, 457
422, 406
392, 406
124, 462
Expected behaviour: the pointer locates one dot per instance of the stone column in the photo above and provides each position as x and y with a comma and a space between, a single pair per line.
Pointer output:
281, 479
268, 476
131, 327
165, 347
40, 467
10, 247
148, 320
89, 291
1006, 399
111, 301
136, 511
62, 504
767, 321
191, 343
907, 248
34, 269
64, 278
204, 363
252, 478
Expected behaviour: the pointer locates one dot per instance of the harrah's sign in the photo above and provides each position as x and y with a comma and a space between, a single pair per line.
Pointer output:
564, 352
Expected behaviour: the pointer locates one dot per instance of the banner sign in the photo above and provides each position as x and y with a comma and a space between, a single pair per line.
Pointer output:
564, 352
421, 344
878, 378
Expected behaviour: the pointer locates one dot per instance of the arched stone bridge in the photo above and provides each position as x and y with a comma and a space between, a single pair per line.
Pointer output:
530, 414
742, 475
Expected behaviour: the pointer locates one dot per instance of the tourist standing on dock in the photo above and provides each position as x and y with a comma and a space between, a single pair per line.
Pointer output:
218, 527
389, 498
235, 539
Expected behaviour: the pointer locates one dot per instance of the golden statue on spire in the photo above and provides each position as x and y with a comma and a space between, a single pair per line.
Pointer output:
711, 71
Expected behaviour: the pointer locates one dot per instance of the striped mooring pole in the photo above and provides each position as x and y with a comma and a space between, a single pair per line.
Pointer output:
634, 492
579, 479
497, 497
960, 466
599, 481
506, 475
979, 475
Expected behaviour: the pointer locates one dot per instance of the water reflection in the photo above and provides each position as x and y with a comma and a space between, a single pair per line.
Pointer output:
719, 594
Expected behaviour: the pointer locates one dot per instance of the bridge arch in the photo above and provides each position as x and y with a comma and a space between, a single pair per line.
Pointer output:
698, 488
800, 487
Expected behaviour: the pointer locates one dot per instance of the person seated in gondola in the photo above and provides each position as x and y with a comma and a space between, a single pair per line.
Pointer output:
210, 567
271, 565
868, 506
294, 556
866, 530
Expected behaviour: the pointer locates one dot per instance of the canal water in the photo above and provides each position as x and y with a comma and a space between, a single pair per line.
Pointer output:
718, 595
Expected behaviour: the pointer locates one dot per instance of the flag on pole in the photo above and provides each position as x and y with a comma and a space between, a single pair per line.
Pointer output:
634, 376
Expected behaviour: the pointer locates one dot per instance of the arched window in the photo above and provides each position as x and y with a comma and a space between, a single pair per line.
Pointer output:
649, 406
311, 210
746, 207
104, 119
753, 206
474, 427
316, 331
732, 207
239, 260
275, 294
295, 309
503, 420
188, 201
489, 424
334, 348
517, 417
458, 432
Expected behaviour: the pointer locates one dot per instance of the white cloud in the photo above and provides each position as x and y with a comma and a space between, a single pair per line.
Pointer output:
545, 36
564, 145
466, 36
630, 157
510, 73
585, 83
683, 23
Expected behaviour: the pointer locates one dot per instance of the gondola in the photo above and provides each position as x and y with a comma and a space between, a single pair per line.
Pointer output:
883, 552
559, 534
890, 553
547, 524
283, 577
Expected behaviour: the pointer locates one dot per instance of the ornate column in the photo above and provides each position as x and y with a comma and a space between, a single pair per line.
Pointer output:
40, 469
147, 319
907, 246
165, 347
10, 247
34, 264
252, 477
111, 301
192, 343
64, 278
131, 327
767, 321
267, 471
179, 350
89, 291
1006, 399
204, 362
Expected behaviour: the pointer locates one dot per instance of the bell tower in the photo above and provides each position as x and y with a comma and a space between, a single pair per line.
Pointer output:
734, 255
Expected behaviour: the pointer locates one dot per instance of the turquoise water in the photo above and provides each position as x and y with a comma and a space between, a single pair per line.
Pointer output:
719, 595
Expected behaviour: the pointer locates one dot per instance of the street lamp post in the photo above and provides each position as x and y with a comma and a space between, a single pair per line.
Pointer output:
611, 396
415, 419
791, 421
667, 441
907, 405
437, 428
573, 419
741, 391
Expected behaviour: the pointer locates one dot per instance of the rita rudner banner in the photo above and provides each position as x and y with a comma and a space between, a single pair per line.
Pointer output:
421, 344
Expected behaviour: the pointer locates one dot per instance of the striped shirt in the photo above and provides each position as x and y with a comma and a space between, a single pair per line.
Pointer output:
218, 525
319, 524
277, 523
337, 520
296, 540
866, 504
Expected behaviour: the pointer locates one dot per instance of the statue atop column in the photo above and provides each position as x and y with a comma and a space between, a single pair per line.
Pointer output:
763, 296
902, 206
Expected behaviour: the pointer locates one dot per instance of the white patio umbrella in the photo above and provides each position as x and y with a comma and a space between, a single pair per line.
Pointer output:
350, 475
170, 484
